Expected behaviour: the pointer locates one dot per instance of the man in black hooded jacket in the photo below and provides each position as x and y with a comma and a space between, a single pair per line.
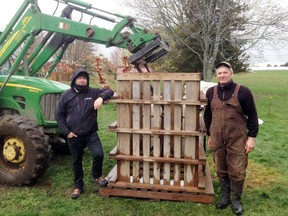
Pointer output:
76, 116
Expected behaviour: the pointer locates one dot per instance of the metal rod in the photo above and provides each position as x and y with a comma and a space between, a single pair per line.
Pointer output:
77, 2
117, 15
26, 47
57, 60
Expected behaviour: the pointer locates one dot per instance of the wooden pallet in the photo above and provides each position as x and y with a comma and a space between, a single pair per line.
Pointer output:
159, 139
204, 193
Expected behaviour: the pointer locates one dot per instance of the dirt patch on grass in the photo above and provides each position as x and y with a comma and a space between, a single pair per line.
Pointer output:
259, 176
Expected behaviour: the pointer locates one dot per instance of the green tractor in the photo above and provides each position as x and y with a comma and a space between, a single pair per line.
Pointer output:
27, 127
27, 103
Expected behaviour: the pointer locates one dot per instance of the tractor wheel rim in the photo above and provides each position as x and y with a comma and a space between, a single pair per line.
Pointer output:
14, 150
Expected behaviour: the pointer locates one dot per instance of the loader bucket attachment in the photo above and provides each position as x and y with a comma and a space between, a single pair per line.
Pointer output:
149, 54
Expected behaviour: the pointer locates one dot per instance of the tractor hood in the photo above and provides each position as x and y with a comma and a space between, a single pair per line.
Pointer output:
33, 84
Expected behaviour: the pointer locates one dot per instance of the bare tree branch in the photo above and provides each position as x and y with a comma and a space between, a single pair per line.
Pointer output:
212, 23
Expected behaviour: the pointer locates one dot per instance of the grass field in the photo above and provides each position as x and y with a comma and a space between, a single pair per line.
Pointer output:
266, 188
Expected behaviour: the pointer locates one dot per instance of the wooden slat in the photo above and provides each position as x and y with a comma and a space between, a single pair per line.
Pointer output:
159, 102
157, 131
177, 115
123, 140
189, 142
156, 187
167, 126
194, 90
159, 76
136, 116
202, 155
153, 159
195, 95
203, 98
146, 126
156, 125
200, 198
208, 181
201, 179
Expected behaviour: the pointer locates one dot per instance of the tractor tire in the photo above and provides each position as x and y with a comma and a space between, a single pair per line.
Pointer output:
24, 151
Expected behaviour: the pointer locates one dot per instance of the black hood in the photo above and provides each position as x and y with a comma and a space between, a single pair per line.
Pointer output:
76, 74
79, 88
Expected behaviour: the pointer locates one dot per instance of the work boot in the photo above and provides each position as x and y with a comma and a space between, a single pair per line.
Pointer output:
225, 193
101, 181
76, 193
236, 192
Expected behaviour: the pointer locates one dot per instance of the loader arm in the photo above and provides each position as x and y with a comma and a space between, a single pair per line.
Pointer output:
29, 22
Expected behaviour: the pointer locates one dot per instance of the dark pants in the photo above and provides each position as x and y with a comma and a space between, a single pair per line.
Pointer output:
77, 146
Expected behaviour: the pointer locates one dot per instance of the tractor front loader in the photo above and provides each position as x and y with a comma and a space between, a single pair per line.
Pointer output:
27, 102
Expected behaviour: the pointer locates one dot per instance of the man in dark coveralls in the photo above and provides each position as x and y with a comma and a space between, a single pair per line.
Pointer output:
232, 126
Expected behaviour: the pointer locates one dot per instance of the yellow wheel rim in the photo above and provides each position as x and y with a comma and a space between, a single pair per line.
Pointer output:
14, 150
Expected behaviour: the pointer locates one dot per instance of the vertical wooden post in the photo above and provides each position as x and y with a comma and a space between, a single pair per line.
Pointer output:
136, 125
167, 126
146, 126
191, 123
178, 95
123, 139
156, 124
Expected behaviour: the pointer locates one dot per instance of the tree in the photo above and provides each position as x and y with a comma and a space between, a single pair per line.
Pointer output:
209, 30
117, 56
79, 51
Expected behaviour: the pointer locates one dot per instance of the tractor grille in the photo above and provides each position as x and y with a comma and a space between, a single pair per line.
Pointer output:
48, 105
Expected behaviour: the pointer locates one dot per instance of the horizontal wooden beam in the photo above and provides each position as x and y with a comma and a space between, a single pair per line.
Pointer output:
160, 76
157, 132
170, 160
200, 198
157, 102
113, 127
147, 186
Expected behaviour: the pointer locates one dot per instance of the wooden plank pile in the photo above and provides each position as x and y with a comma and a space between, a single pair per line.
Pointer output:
159, 153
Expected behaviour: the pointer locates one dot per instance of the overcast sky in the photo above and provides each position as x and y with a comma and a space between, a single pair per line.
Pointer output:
271, 55
10, 7
8, 10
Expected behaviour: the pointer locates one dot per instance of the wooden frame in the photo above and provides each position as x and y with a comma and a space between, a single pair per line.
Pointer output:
159, 152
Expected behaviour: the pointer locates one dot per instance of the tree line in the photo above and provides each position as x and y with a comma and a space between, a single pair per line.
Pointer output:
201, 33
204, 32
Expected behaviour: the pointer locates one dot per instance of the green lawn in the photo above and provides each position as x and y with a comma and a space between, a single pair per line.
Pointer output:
266, 188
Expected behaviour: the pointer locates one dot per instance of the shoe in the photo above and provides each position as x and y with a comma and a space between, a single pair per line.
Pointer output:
101, 181
236, 192
223, 204
237, 208
76, 193
225, 194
